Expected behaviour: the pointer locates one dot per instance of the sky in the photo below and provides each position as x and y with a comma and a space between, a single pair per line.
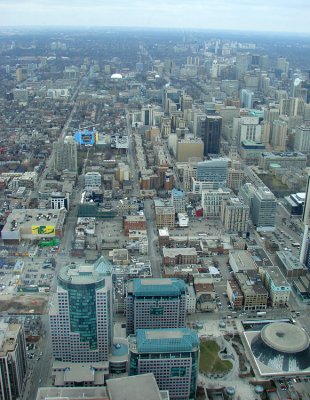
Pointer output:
248, 15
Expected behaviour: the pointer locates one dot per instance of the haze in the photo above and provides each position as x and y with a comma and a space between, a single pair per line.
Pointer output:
276, 16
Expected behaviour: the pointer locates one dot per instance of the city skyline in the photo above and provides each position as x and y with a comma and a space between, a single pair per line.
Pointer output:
242, 15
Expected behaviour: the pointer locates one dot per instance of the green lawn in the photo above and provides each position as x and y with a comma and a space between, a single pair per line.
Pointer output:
210, 363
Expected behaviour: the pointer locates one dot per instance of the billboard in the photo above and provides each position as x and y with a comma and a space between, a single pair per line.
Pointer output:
43, 230
86, 138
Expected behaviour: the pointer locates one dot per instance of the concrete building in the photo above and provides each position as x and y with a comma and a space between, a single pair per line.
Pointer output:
254, 293
235, 173
278, 287
92, 180
81, 318
289, 160
247, 98
165, 213
212, 201
136, 387
65, 155
241, 260
173, 357
13, 361
290, 266
279, 135
235, 215
250, 151
263, 209
33, 224
211, 134
189, 147
178, 200
214, 172
234, 294
249, 129
302, 138
155, 303
60, 200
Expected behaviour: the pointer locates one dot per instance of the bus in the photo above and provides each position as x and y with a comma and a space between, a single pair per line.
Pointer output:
296, 244
260, 313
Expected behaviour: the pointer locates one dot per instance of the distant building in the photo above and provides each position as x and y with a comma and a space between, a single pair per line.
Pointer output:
279, 135
263, 210
178, 200
60, 200
92, 180
65, 155
155, 303
165, 213
173, 357
13, 361
278, 287
189, 147
288, 160
213, 171
247, 98
302, 138
295, 203
212, 201
250, 129
250, 151
235, 215
254, 293
179, 256
211, 134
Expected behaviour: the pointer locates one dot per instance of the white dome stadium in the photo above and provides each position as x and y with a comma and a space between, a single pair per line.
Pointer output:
116, 76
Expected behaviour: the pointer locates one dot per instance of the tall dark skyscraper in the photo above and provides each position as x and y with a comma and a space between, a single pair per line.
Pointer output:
212, 134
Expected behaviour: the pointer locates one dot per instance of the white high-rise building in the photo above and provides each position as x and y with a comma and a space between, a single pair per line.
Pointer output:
65, 155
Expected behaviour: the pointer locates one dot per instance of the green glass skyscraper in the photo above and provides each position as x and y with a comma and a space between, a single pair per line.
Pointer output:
81, 314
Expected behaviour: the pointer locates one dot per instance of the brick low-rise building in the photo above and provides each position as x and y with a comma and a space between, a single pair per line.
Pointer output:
134, 222
186, 255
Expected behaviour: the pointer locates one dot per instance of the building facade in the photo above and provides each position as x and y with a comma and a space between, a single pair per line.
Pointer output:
263, 210
212, 201
13, 361
173, 357
155, 303
65, 155
235, 215
212, 134
81, 314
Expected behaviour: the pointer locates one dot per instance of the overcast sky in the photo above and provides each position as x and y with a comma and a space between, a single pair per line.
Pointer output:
254, 15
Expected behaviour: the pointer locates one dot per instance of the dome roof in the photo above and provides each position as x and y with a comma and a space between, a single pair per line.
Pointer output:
284, 337
281, 346
116, 76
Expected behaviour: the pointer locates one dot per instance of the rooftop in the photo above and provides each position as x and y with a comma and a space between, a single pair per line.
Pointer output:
165, 340
158, 287
138, 387
284, 337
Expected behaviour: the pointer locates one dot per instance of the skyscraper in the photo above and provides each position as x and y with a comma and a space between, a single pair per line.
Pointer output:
65, 154
212, 134
304, 256
81, 314
264, 208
